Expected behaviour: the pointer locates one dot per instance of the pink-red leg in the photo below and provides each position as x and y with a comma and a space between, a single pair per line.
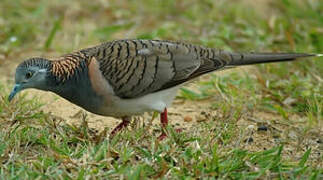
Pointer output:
164, 123
123, 124
163, 118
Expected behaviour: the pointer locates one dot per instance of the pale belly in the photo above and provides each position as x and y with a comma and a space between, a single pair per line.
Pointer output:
157, 101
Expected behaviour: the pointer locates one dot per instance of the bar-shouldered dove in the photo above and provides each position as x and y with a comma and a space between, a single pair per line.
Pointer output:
122, 78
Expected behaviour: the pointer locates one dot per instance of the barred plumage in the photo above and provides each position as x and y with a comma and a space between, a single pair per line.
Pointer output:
66, 66
138, 67
40, 62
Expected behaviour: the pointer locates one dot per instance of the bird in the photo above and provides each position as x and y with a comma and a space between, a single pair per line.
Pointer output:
123, 78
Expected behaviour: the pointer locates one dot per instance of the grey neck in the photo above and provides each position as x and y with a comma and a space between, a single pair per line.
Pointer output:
77, 90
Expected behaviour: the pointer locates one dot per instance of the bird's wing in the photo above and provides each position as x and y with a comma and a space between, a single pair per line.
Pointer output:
138, 67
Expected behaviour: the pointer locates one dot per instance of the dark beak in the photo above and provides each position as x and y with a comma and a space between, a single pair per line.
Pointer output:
14, 91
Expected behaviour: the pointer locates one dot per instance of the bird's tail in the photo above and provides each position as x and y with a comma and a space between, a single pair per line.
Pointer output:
238, 59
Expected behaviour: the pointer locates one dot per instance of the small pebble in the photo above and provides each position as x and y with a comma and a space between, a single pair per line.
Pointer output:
188, 119
292, 135
251, 127
262, 128
200, 118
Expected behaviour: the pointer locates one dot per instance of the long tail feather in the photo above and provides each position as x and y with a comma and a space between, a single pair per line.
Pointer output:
256, 58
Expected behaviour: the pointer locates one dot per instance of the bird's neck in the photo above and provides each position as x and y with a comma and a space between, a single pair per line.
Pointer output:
70, 80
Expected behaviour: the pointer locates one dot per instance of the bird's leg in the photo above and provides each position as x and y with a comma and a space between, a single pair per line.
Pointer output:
164, 123
163, 118
123, 124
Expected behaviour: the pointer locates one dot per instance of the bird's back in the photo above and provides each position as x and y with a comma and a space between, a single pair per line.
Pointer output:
138, 67
134, 68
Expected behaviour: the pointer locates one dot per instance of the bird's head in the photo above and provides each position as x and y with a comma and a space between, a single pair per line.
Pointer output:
31, 73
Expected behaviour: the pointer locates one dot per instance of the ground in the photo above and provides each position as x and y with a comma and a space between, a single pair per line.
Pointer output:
239, 118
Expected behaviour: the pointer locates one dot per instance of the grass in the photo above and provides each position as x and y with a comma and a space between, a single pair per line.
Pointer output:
263, 121
38, 146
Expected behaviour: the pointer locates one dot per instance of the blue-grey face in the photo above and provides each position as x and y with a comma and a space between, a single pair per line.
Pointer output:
29, 75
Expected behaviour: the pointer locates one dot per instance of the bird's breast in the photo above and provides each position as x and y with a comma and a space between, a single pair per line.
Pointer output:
99, 84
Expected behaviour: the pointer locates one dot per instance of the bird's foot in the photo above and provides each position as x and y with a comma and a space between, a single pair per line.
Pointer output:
162, 136
164, 123
125, 122
179, 130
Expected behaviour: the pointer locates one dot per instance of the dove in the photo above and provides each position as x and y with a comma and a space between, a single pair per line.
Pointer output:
123, 78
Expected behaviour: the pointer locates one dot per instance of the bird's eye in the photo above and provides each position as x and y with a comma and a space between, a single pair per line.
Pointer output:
28, 75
